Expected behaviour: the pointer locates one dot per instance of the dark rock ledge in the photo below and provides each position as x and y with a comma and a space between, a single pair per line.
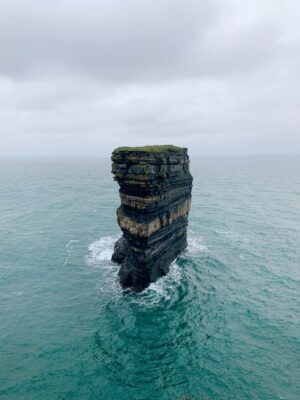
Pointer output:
155, 191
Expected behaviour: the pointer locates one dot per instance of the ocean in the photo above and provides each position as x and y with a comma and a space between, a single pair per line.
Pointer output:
223, 324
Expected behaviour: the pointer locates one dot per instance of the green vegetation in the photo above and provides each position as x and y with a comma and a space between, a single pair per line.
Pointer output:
147, 169
164, 148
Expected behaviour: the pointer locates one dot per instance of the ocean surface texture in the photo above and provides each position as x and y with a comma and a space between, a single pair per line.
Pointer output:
224, 324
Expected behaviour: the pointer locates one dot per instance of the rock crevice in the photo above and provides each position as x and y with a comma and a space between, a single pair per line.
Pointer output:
155, 192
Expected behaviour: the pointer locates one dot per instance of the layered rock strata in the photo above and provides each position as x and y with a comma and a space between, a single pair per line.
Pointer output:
155, 191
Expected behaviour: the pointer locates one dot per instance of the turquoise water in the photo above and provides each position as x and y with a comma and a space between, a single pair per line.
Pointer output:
224, 324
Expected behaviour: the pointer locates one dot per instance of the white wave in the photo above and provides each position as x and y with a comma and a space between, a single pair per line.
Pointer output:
101, 250
69, 249
161, 290
228, 234
99, 256
220, 232
196, 245
170, 280
68, 245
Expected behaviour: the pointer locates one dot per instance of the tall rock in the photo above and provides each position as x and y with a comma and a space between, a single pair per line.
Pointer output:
155, 191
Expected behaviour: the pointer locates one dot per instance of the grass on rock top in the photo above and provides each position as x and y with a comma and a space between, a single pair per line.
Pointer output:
165, 148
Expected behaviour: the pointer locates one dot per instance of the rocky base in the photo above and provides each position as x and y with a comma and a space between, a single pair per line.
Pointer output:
155, 191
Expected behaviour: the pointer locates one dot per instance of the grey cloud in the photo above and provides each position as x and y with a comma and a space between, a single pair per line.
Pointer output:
132, 40
111, 39
82, 77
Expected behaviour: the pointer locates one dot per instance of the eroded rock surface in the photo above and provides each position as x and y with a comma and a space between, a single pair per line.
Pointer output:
155, 191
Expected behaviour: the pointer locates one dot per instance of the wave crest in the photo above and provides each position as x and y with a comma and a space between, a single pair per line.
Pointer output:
163, 290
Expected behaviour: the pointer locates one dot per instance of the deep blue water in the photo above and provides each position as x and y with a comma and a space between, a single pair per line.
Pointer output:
224, 324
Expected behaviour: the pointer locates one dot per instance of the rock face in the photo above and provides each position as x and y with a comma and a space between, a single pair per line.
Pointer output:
155, 191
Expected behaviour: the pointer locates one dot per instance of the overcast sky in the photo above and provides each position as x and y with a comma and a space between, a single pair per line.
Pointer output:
80, 77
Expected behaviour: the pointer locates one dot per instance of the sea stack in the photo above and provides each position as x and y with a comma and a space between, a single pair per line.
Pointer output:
155, 191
